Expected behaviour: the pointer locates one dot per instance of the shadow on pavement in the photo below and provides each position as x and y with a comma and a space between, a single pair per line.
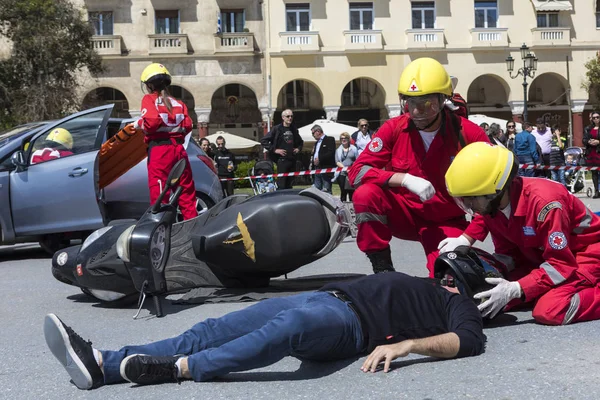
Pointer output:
503, 320
308, 370
23, 251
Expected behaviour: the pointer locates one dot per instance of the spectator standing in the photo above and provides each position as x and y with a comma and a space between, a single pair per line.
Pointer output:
526, 150
362, 136
485, 126
323, 156
205, 146
511, 132
543, 137
345, 156
494, 133
591, 140
225, 161
557, 156
282, 145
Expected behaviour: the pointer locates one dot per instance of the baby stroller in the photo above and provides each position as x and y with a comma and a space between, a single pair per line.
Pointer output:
576, 182
263, 184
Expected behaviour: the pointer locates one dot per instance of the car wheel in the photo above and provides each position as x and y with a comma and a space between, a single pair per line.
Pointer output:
53, 243
589, 192
203, 204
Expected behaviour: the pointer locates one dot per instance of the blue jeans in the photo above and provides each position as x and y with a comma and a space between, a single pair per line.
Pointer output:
525, 160
314, 326
323, 182
559, 176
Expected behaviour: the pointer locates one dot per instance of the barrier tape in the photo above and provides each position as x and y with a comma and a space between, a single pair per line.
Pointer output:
337, 169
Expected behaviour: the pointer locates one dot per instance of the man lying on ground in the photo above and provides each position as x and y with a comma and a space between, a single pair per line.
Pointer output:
391, 315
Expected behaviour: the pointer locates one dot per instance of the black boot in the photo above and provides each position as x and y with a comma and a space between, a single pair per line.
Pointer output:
381, 261
596, 195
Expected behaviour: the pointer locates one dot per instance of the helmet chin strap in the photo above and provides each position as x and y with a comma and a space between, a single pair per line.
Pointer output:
429, 125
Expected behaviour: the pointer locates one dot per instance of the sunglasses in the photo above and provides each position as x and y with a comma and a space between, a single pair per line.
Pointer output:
510, 126
345, 138
595, 117
364, 126
287, 116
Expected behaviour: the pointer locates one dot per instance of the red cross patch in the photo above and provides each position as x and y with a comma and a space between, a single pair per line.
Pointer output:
413, 87
376, 145
557, 240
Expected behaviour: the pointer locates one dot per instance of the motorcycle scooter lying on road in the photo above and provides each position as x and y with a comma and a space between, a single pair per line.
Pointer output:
241, 242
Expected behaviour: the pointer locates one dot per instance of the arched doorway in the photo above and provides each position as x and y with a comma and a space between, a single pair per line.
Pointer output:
303, 98
234, 109
107, 95
488, 94
547, 99
363, 98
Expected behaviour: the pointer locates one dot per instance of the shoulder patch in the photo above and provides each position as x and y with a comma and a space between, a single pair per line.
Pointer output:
557, 240
546, 209
376, 145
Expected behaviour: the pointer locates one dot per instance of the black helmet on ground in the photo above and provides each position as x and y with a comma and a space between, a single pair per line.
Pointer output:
466, 269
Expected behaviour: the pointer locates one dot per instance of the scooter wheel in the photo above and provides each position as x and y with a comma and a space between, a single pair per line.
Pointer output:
589, 192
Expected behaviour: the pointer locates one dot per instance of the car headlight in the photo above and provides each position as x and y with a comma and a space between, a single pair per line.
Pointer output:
94, 236
157, 246
123, 244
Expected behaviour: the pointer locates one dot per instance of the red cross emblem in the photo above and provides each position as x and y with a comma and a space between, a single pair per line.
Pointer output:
557, 240
413, 87
376, 145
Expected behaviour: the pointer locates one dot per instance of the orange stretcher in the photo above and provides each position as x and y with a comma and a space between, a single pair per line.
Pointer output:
120, 153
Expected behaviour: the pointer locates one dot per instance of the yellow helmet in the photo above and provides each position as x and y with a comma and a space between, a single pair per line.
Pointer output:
155, 71
61, 136
424, 76
480, 169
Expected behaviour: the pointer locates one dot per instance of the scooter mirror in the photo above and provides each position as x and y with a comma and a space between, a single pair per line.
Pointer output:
172, 180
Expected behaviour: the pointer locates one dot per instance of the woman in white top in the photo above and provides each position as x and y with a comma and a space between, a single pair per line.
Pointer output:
345, 155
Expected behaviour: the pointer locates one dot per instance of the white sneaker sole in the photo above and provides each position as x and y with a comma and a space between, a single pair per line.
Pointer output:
58, 341
122, 366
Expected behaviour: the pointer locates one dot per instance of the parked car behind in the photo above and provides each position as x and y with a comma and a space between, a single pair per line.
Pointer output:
58, 200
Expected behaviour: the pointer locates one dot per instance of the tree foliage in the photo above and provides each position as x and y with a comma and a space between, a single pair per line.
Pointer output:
50, 49
592, 81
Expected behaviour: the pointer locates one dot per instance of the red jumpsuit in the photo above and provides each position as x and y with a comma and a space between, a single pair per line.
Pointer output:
383, 212
165, 132
47, 154
554, 240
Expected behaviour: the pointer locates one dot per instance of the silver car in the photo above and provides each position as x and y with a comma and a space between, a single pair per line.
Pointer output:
58, 200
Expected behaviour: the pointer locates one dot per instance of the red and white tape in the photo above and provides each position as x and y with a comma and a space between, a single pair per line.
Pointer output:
330, 170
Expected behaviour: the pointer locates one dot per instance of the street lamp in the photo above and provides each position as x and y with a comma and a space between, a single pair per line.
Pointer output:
528, 70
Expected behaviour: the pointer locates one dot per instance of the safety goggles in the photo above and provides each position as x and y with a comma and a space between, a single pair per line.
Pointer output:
472, 204
423, 108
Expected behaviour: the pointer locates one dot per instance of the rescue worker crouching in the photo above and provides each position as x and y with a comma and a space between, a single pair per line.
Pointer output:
551, 238
165, 122
408, 199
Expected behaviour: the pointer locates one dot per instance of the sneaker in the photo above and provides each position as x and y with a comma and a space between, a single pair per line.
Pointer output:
147, 370
74, 353
381, 261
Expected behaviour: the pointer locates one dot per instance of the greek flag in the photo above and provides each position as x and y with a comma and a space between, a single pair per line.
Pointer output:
219, 21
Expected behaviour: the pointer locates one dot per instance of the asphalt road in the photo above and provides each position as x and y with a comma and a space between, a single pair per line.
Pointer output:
522, 360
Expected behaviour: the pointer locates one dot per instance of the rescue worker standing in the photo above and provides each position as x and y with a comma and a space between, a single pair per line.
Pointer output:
409, 199
551, 238
165, 122
225, 161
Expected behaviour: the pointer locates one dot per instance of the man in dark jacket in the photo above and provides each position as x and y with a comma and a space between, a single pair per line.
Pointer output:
282, 144
323, 156
225, 161
391, 315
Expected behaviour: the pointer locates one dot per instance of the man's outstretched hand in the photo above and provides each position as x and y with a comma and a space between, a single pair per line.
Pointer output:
387, 353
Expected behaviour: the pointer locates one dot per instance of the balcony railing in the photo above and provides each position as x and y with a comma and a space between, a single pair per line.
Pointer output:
170, 43
234, 42
425, 38
106, 45
490, 37
551, 36
363, 40
299, 41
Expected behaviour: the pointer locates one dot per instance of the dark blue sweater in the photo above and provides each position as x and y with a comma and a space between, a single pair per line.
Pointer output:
394, 307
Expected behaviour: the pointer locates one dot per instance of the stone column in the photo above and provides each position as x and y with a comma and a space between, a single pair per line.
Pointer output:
393, 110
577, 123
331, 112
517, 107
203, 114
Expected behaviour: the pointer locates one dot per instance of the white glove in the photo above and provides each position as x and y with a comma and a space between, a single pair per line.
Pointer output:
450, 244
497, 297
419, 186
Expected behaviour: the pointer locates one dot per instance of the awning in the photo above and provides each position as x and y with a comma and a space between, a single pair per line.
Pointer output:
552, 5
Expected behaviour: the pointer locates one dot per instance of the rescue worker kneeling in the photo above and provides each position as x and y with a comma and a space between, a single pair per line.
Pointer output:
408, 199
548, 234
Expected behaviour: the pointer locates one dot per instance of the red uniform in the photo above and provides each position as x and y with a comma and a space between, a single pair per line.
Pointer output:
554, 241
165, 132
383, 212
48, 154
